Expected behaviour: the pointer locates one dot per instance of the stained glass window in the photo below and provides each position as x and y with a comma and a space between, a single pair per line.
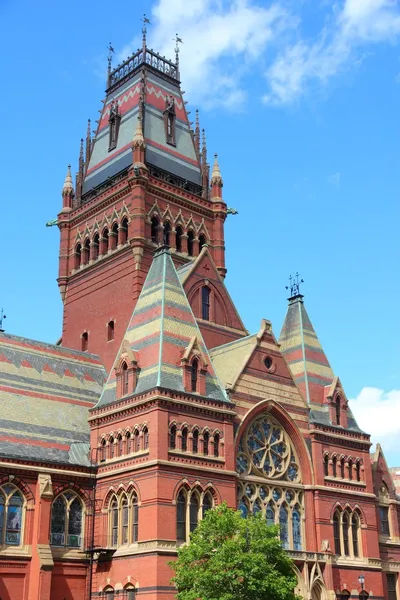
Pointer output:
125, 520
354, 531
296, 527
66, 521
345, 525
283, 527
194, 511
266, 450
14, 520
114, 524
336, 532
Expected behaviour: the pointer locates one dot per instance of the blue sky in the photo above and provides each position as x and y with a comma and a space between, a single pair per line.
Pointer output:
299, 99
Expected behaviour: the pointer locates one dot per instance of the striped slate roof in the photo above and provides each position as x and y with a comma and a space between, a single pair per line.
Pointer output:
303, 352
45, 394
160, 330
180, 160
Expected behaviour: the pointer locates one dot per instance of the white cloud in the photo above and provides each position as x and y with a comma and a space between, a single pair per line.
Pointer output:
221, 41
334, 179
339, 45
377, 412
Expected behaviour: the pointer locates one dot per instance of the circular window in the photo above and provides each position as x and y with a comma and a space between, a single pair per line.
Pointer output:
268, 362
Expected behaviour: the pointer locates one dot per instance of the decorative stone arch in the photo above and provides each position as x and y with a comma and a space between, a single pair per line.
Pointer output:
20, 485
73, 487
357, 510
215, 299
336, 507
284, 419
131, 488
111, 493
181, 485
144, 425
209, 487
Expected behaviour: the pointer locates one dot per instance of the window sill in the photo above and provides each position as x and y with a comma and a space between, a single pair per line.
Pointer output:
187, 454
69, 553
350, 560
17, 551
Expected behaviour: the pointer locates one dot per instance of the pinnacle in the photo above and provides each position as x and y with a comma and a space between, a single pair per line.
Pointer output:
216, 177
138, 139
68, 186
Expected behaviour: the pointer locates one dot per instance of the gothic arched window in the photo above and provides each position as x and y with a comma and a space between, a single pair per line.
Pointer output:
125, 520
86, 252
114, 236
135, 517
84, 341
172, 437
337, 410
105, 241
181, 517
195, 441
194, 374
96, 246
354, 532
154, 229
194, 511
184, 439
216, 445
110, 331
266, 451
206, 442
167, 233
336, 532
78, 256
345, 533
207, 503
190, 242
326, 465
114, 521
66, 521
145, 438
125, 379
205, 302
202, 241
11, 505
123, 231
334, 466
178, 238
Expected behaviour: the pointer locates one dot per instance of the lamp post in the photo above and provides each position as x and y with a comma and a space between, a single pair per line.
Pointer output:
361, 581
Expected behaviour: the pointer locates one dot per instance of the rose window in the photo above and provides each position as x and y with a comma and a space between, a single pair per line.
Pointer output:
266, 450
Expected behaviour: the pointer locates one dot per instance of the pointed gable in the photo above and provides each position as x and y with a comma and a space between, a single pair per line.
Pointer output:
223, 314
161, 333
303, 352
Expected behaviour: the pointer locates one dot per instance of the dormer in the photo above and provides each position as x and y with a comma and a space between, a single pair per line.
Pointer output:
194, 366
338, 404
126, 371
114, 122
170, 120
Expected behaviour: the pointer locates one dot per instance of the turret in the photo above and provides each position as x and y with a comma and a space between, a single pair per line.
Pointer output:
216, 180
68, 192
219, 210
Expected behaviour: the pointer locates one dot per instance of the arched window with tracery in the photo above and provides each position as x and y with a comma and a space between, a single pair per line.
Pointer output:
128, 442
145, 438
114, 512
105, 241
266, 451
167, 233
194, 511
129, 592
124, 519
11, 514
120, 445
114, 236
86, 252
334, 466
154, 229
342, 467
136, 437
66, 520
112, 447
355, 526
358, 470
346, 533
336, 532
191, 507
103, 450
190, 243
326, 465
178, 238
135, 516
207, 503
350, 464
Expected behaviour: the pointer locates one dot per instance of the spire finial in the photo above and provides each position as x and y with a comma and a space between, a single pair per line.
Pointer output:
111, 51
145, 20
2, 317
294, 285
178, 41
216, 177
204, 148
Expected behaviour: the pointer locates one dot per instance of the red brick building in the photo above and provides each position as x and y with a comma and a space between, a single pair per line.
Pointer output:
158, 404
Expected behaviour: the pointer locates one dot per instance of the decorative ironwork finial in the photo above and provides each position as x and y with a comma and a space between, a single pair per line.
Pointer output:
177, 41
294, 285
145, 20
111, 51
2, 317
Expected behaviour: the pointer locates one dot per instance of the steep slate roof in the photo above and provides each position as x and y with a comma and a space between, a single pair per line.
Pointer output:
45, 394
303, 352
230, 359
161, 328
180, 159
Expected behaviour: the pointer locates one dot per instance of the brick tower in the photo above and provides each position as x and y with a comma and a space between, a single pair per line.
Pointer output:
142, 180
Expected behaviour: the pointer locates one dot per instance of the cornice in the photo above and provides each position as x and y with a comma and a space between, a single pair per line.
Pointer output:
330, 435
35, 468
151, 464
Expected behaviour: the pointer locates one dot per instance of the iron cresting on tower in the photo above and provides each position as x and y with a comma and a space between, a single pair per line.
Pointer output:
158, 404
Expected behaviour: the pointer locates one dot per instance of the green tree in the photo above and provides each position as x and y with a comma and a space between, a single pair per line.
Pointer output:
231, 558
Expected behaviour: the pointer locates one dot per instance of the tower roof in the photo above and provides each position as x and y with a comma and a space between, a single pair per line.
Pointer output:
216, 177
303, 352
146, 84
161, 330
68, 185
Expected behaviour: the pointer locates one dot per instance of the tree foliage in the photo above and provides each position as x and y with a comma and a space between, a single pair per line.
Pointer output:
231, 558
